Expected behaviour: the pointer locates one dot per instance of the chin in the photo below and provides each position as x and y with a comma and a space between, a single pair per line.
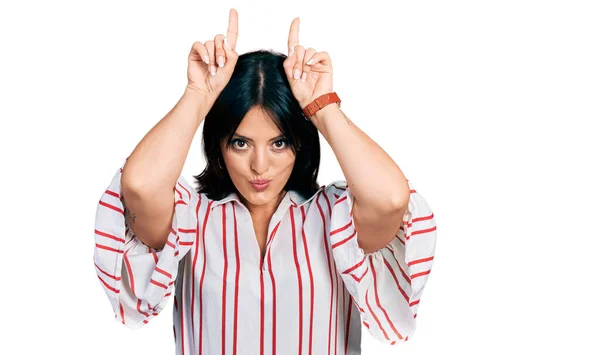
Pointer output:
258, 198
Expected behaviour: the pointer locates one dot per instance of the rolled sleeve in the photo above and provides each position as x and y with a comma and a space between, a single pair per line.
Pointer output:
386, 285
136, 278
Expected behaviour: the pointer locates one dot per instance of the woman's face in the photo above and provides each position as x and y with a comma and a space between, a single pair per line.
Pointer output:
259, 151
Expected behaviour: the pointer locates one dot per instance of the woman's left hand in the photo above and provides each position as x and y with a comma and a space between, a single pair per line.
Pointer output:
309, 72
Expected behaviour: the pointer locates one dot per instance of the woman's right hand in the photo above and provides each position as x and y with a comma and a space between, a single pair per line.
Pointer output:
210, 65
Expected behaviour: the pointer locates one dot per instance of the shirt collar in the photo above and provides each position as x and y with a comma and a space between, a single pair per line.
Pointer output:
292, 197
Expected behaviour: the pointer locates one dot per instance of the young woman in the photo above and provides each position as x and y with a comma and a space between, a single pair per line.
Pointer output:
259, 258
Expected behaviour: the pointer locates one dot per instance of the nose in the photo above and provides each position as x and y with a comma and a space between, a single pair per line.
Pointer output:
260, 161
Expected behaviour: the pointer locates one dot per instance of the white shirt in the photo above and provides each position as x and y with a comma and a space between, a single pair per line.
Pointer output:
310, 294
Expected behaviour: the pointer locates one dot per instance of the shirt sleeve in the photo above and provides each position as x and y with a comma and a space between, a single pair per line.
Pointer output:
386, 285
136, 278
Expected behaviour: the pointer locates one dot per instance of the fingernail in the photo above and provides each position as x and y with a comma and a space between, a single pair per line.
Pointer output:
206, 59
296, 73
310, 61
221, 61
213, 70
303, 77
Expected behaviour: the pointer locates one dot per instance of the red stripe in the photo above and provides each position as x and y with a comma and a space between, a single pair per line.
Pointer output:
117, 278
374, 316
400, 239
155, 257
180, 202
108, 286
422, 231
420, 261
299, 275
109, 236
414, 303
273, 233
224, 292
178, 192
420, 274
355, 266
129, 272
274, 338
419, 219
152, 281
358, 279
237, 282
163, 272
337, 313
325, 245
339, 200
102, 203
269, 242
122, 313
139, 309
100, 246
396, 279
343, 241
112, 193
262, 312
328, 203
400, 268
202, 275
340, 188
312, 283
387, 317
356, 304
183, 230
341, 229
186, 190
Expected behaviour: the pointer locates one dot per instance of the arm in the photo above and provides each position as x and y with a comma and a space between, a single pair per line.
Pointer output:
147, 191
137, 279
378, 185
386, 285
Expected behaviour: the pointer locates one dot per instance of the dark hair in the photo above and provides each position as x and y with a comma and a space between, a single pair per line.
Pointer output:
259, 80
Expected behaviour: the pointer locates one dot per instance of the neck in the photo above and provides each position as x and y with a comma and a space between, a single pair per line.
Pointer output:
266, 211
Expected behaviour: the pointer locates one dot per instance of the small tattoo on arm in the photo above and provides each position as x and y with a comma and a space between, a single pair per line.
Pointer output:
129, 216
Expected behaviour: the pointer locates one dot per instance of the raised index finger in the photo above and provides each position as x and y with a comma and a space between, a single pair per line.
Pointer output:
232, 28
293, 38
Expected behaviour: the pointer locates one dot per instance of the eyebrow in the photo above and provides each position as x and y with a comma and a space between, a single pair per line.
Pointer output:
252, 140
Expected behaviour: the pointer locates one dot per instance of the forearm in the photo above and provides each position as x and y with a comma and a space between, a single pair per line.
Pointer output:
158, 159
375, 179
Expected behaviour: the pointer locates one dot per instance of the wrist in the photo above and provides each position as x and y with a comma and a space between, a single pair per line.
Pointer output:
197, 103
197, 94
326, 111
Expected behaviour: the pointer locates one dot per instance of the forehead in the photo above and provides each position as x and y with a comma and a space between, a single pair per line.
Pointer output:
256, 124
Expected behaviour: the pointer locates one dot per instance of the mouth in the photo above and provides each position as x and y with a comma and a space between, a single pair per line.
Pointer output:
260, 185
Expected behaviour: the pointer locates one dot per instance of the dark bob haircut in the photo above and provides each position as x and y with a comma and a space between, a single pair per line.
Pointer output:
259, 80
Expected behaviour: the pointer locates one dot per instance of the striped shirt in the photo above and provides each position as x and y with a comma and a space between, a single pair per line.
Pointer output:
311, 294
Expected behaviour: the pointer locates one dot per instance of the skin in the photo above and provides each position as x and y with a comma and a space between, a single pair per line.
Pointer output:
381, 191
261, 156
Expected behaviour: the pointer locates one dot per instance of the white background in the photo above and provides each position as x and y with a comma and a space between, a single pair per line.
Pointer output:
490, 109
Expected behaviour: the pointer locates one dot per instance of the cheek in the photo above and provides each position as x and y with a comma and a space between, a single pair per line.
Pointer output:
235, 164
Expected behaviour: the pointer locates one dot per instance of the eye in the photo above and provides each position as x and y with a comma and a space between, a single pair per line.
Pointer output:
236, 140
284, 145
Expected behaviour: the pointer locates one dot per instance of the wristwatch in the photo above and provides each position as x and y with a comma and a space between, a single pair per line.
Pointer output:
319, 103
